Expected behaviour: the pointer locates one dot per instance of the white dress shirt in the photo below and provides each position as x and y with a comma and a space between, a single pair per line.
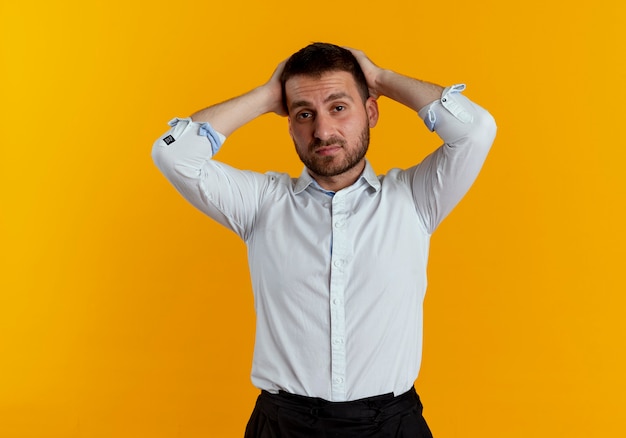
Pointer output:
338, 278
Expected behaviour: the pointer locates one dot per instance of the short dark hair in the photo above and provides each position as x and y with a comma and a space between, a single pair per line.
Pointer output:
319, 58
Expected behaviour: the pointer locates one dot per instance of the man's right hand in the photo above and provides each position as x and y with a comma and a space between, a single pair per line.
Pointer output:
274, 91
228, 116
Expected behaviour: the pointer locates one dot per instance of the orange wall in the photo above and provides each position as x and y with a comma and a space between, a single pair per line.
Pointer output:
125, 313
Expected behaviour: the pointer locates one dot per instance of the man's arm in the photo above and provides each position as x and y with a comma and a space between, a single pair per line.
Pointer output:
411, 92
226, 117
184, 155
440, 181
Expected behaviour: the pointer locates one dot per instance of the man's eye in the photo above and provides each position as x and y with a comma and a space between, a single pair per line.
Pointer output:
340, 108
304, 115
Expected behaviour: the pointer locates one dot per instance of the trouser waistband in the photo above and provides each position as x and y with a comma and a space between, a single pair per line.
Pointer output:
378, 407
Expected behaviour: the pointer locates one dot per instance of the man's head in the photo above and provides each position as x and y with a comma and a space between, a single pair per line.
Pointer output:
327, 101
318, 58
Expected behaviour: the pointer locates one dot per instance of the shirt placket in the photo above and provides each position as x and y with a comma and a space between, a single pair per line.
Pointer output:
337, 298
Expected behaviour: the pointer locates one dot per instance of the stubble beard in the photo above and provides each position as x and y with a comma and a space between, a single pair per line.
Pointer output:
325, 165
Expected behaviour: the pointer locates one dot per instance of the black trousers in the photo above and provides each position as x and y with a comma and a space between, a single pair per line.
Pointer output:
286, 415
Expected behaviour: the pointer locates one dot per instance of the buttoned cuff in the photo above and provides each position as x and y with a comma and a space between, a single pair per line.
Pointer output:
204, 130
448, 102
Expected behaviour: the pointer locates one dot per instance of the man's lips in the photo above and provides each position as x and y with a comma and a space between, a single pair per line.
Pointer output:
327, 150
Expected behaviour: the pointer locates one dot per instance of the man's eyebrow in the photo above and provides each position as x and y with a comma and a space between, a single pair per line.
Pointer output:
298, 104
337, 96
330, 98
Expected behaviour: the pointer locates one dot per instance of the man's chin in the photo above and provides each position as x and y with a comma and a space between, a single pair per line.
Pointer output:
329, 170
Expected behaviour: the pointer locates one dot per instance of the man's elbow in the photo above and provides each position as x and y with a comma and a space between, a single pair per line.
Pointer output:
484, 130
161, 159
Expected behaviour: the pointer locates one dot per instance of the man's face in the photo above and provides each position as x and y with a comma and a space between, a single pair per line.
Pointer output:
329, 123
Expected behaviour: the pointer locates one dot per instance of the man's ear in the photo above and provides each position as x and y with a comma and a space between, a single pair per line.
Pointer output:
371, 107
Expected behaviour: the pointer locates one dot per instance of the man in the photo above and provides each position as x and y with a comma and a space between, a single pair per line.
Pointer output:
338, 255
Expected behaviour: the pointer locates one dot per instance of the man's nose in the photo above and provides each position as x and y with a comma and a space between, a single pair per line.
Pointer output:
323, 127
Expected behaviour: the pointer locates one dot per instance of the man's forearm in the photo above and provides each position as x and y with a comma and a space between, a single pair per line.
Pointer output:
411, 92
226, 117
230, 115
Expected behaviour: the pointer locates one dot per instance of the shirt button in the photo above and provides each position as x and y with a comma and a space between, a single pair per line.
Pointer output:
337, 301
339, 224
338, 341
338, 379
338, 263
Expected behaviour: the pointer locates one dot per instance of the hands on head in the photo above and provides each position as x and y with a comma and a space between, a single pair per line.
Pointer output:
274, 89
371, 71
228, 116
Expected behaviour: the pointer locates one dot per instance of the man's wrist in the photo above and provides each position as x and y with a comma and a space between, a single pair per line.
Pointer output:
384, 81
270, 99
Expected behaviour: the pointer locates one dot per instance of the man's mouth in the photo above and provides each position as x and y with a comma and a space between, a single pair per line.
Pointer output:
327, 150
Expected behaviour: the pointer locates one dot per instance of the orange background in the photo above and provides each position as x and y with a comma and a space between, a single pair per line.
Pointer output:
124, 312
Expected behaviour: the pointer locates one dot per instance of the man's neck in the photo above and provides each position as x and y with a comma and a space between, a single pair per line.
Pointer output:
341, 181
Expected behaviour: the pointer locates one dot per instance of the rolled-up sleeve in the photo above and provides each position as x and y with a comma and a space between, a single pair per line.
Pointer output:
184, 155
198, 142
441, 180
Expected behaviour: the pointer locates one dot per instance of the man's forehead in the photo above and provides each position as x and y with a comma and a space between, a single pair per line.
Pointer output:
321, 77
326, 85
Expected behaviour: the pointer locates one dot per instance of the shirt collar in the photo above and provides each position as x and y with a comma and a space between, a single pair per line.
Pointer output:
306, 179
